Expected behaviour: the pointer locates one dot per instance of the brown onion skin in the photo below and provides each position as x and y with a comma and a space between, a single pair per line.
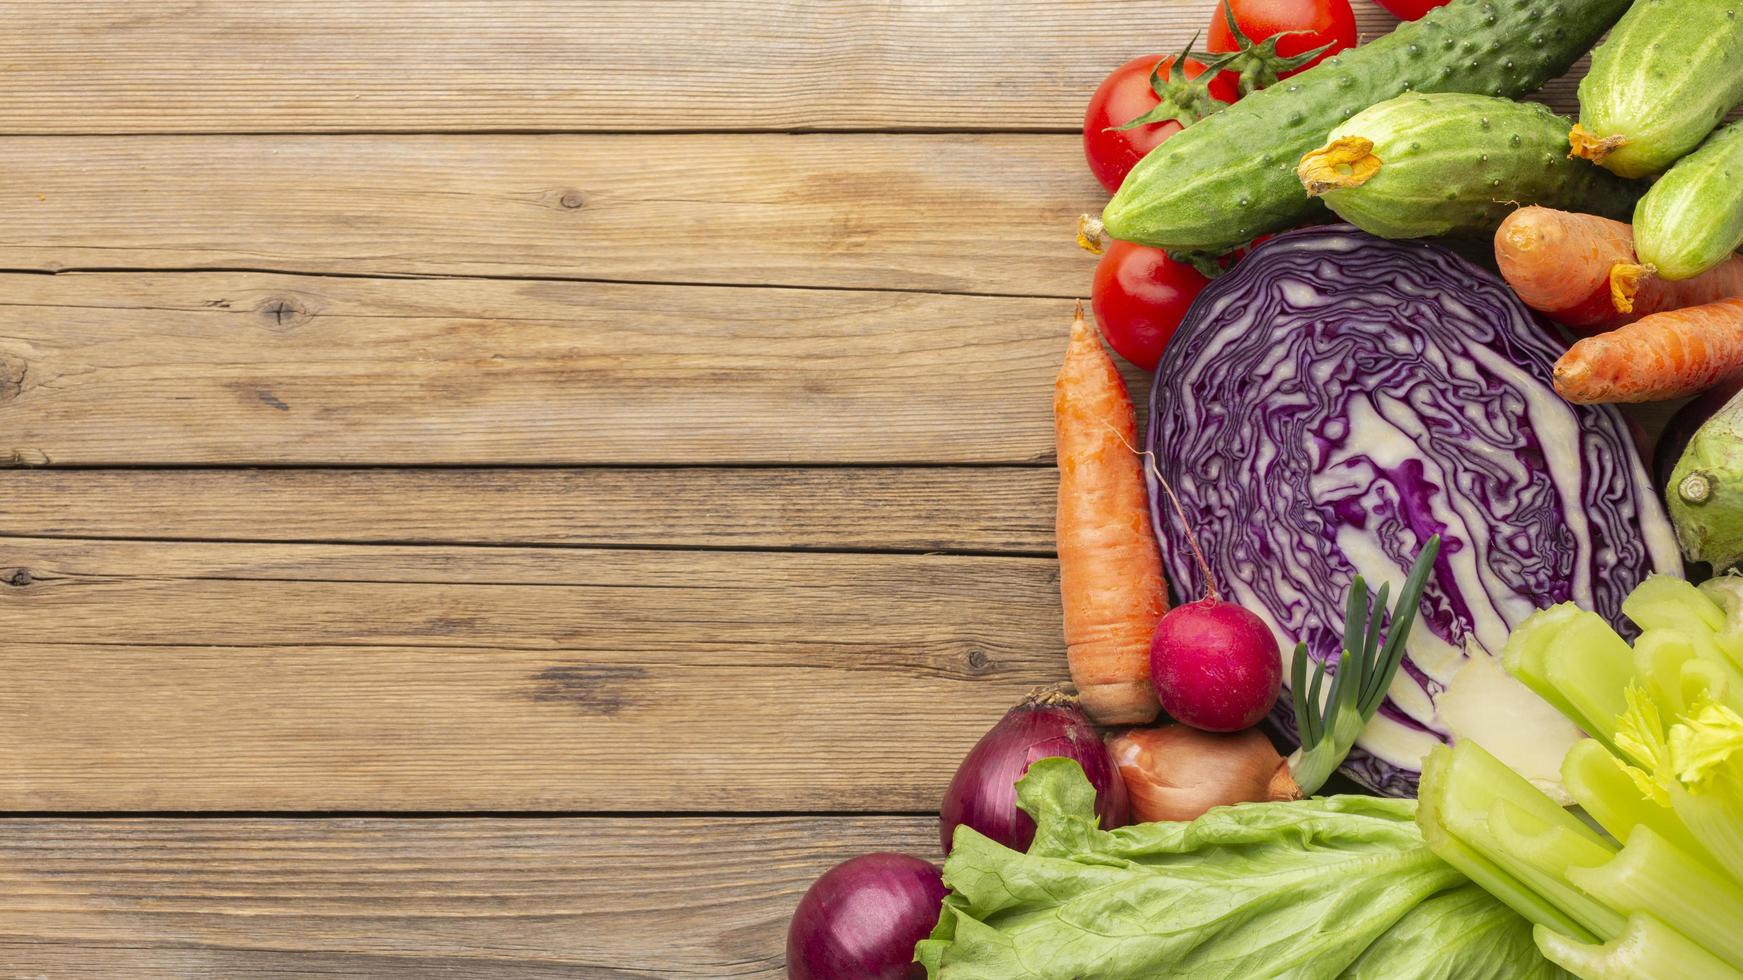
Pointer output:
983, 795
863, 918
1176, 772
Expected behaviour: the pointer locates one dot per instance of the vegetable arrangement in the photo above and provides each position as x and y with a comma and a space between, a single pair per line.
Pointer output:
1336, 407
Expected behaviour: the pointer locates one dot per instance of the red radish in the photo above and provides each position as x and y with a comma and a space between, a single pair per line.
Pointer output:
1215, 665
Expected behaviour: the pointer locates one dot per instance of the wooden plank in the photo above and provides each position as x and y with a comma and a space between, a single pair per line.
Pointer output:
178, 676
956, 509
532, 899
240, 369
109, 66
984, 214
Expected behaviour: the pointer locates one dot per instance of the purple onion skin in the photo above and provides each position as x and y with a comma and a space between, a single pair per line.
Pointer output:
983, 795
862, 919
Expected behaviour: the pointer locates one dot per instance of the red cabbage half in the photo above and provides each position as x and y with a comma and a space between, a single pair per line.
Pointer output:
1337, 399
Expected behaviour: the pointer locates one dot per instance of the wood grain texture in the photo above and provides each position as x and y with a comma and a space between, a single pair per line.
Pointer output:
115, 66
945, 509
527, 899
145, 675
242, 368
981, 214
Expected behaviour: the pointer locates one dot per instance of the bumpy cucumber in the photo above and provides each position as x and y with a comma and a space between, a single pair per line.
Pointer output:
1692, 219
1231, 177
1449, 164
1660, 82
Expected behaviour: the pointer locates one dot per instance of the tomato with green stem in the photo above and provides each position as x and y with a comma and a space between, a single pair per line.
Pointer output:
1141, 104
1269, 40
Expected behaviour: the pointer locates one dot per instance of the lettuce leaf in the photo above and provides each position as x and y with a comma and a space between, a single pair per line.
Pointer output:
1322, 888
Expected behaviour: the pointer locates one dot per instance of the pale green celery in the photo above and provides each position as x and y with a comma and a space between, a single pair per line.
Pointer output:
1526, 650
1459, 786
1705, 763
1590, 665
1646, 950
1614, 795
1642, 742
1667, 600
1544, 855
1653, 875
1678, 677
1727, 591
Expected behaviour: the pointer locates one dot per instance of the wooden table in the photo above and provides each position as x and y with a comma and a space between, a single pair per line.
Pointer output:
516, 489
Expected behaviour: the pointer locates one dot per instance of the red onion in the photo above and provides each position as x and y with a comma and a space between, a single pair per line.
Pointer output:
862, 919
984, 793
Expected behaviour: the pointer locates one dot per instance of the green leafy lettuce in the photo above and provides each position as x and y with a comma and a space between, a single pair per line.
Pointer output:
1324, 888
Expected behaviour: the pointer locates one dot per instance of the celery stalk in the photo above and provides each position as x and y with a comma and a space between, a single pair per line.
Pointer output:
1717, 822
1652, 875
1527, 648
1666, 600
1600, 783
1679, 678
1460, 786
1437, 782
1647, 948
1544, 855
1590, 665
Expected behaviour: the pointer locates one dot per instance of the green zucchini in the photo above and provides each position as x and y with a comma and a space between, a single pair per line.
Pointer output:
1223, 181
1659, 83
1450, 164
1692, 219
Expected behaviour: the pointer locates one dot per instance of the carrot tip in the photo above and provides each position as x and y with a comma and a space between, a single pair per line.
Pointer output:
1625, 280
1589, 146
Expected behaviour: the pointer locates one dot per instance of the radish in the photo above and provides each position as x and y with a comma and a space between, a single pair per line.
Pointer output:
1215, 665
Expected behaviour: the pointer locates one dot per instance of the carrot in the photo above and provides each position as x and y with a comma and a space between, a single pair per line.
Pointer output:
1665, 355
1580, 270
1110, 572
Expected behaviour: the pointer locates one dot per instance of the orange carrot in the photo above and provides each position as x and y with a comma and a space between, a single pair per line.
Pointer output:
1662, 356
1110, 572
1580, 270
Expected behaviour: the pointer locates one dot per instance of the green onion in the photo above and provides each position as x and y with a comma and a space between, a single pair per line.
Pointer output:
1364, 673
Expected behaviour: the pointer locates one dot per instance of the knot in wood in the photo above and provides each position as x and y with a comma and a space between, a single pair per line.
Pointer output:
13, 370
19, 578
284, 312
572, 200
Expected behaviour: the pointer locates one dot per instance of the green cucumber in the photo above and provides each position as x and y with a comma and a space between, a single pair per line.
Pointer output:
1230, 178
1450, 164
1692, 219
1660, 82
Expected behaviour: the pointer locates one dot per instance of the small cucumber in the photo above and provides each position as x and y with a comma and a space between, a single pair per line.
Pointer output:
1446, 164
1659, 83
1692, 219
1221, 182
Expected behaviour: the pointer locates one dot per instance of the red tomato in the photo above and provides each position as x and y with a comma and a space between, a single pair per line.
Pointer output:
1410, 9
1127, 94
1321, 22
1139, 296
